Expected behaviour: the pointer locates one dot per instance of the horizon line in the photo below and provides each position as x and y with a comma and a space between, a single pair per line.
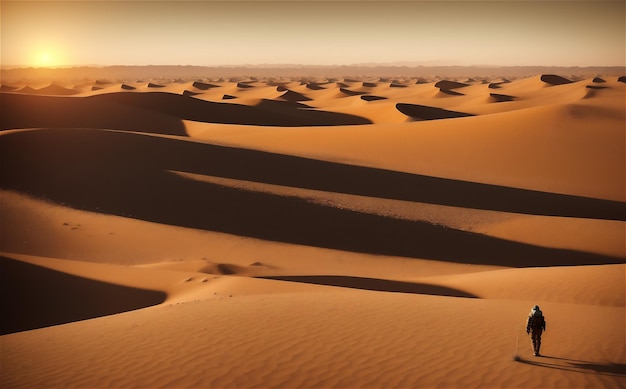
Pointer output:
397, 64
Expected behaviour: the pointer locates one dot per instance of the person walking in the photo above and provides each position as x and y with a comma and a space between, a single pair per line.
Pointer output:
535, 326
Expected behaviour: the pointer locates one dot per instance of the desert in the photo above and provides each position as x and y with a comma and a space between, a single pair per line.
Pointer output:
379, 230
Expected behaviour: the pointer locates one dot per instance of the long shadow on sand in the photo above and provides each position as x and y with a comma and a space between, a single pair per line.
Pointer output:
127, 174
612, 369
36, 297
375, 284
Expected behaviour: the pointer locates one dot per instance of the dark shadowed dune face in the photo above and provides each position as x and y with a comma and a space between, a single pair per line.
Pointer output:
447, 84
156, 112
423, 112
500, 98
314, 86
35, 297
451, 92
351, 92
103, 111
553, 79
203, 85
376, 284
372, 98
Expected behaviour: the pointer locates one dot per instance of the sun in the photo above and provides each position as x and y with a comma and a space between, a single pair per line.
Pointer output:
46, 59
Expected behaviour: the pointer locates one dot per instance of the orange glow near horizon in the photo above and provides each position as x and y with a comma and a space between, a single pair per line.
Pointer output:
214, 33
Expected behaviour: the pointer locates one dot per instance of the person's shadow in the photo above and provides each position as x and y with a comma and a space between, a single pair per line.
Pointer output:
553, 362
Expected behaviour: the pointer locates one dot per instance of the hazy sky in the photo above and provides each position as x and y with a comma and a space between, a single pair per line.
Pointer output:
562, 33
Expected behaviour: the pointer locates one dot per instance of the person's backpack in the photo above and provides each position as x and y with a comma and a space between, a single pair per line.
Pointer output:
536, 320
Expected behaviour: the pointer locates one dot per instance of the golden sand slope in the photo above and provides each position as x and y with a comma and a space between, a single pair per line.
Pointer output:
313, 233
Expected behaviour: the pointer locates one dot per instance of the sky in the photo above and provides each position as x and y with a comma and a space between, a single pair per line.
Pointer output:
214, 33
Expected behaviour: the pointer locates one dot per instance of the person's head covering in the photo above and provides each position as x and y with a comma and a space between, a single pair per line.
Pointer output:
535, 310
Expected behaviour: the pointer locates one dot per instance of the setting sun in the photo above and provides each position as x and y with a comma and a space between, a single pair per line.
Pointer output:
46, 58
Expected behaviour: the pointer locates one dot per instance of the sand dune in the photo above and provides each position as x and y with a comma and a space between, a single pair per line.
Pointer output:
52, 89
314, 86
349, 92
383, 231
294, 96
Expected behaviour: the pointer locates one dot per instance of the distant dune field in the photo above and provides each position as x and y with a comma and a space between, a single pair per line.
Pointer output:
313, 232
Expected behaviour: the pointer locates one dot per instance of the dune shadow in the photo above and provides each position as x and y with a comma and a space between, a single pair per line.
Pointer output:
449, 84
154, 112
450, 92
314, 86
553, 79
372, 98
203, 85
349, 92
500, 98
184, 107
24, 111
128, 175
424, 112
36, 297
375, 284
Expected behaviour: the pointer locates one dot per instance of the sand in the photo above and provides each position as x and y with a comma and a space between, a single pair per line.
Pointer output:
375, 232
